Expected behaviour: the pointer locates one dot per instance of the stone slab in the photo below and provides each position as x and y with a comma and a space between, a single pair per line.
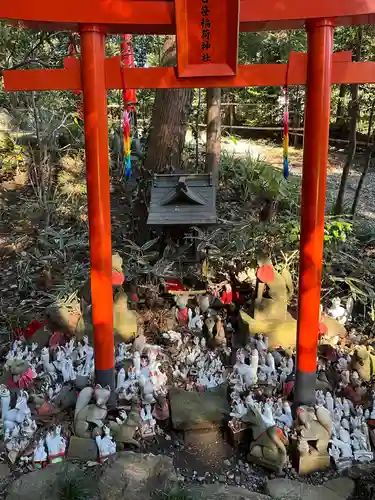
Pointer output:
84, 449
4, 471
193, 411
220, 492
136, 476
337, 489
342, 486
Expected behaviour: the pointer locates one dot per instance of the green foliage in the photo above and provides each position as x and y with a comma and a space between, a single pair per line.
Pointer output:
337, 230
12, 155
244, 181
254, 178
291, 231
6, 143
260, 48
235, 140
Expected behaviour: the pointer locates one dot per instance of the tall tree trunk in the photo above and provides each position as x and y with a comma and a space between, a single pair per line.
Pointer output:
197, 134
370, 149
340, 105
213, 144
231, 113
296, 118
354, 116
166, 140
169, 121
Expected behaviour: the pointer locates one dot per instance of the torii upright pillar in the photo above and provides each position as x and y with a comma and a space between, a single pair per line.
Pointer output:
98, 198
315, 159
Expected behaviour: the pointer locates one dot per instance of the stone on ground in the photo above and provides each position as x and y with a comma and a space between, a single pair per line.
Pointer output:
219, 492
358, 471
192, 410
336, 489
135, 476
4, 471
40, 484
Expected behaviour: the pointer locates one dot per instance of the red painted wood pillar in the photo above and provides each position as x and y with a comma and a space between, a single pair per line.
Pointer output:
315, 158
98, 199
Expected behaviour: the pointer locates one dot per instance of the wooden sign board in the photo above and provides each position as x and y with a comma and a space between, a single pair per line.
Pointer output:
207, 37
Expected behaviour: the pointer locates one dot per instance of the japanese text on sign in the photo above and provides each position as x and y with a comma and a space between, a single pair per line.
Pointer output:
206, 32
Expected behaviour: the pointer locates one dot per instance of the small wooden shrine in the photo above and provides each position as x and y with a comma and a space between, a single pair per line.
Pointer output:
182, 200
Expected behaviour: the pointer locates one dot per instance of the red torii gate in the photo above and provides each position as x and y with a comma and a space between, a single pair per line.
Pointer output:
207, 40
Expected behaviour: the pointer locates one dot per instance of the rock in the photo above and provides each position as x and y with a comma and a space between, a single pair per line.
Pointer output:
4, 471
81, 382
336, 489
359, 470
192, 410
66, 398
84, 449
136, 476
218, 491
42, 483
343, 487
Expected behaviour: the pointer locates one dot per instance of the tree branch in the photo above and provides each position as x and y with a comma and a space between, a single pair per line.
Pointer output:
26, 60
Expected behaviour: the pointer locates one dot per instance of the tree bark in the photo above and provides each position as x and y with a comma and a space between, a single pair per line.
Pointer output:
295, 117
166, 140
366, 167
354, 116
231, 113
369, 153
197, 134
213, 142
169, 121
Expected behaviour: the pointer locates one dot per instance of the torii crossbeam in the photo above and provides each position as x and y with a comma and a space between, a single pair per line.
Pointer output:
207, 41
344, 71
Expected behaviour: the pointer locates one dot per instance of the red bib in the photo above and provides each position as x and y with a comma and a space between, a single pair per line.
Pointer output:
265, 274
117, 278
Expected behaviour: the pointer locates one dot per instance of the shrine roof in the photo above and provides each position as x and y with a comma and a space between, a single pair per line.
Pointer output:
157, 16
